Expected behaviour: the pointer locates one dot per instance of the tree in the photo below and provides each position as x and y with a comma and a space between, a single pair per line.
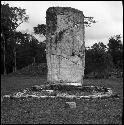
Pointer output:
23, 50
115, 48
5, 11
33, 47
88, 21
29, 50
11, 18
40, 29
98, 60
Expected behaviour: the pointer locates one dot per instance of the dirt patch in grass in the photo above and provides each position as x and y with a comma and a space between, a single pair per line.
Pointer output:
55, 111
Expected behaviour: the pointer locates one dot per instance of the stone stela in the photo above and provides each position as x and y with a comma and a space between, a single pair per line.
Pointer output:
65, 46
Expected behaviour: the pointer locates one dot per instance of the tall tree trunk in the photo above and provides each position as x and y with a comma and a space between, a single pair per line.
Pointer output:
33, 61
4, 54
14, 51
15, 60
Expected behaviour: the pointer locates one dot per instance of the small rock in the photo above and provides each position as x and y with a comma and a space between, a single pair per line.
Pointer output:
71, 104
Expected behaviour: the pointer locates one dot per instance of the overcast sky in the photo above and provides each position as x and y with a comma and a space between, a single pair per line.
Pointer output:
109, 15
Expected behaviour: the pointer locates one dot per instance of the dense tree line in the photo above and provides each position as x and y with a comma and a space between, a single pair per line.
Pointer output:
22, 49
98, 60
17, 49
28, 51
103, 61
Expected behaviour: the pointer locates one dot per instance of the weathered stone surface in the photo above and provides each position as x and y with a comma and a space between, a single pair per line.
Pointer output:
65, 45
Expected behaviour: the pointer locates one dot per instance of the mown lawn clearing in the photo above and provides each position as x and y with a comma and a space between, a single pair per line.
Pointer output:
55, 110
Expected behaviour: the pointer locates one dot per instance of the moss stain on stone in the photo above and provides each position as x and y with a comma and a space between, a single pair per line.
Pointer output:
51, 18
59, 36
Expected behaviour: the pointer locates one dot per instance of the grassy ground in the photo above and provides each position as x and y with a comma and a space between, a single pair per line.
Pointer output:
55, 111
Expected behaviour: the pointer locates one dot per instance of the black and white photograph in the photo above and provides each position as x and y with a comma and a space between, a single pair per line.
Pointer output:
61, 62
